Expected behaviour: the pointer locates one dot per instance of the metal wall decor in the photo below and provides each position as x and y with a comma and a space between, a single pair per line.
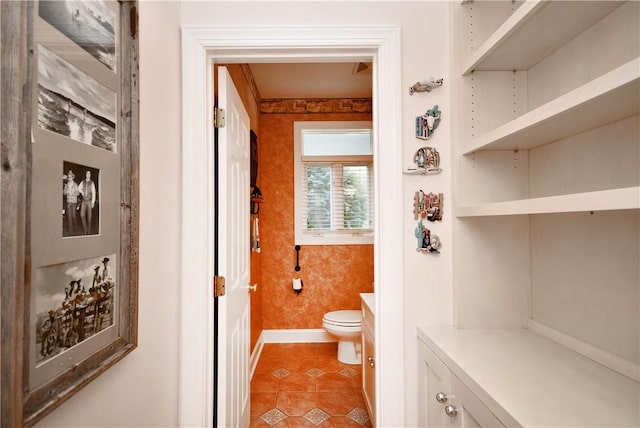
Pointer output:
69, 191
428, 122
426, 161
425, 85
427, 206
428, 242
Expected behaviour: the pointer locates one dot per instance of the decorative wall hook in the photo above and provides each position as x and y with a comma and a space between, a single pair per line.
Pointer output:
427, 241
256, 200
427, 205
425, 85
427, 123
426, 161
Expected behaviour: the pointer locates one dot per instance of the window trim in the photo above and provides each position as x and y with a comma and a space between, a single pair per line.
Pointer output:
303, 237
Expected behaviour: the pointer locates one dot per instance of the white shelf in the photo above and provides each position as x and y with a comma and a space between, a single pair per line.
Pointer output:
527, 379
603, 200
610, 97
534, 31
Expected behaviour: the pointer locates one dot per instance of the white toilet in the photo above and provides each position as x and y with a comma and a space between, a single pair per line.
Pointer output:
346, 326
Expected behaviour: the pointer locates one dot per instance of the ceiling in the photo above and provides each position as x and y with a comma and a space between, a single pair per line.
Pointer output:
313, 80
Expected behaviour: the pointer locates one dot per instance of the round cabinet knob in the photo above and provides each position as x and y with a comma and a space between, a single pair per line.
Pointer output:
450, 410
441, 397
372, 361
253, 287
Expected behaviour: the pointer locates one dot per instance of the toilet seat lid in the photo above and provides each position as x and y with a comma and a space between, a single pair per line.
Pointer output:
346, 317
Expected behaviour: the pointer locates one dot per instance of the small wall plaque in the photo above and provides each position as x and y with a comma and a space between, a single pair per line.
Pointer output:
426, 161
427, 242
427, 205
428, 123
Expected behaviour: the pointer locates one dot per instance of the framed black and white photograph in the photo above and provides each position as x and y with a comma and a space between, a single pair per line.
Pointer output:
69, 224
74, 305
80, 200
88, 23
73, 104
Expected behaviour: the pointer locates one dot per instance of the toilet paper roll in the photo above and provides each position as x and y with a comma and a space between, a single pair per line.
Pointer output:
297, 284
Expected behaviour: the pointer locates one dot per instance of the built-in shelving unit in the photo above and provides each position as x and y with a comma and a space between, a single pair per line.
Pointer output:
603, 200
611, 97
535, 30
546, 137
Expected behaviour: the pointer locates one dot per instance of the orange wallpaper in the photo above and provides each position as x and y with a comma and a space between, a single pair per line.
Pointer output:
333, 276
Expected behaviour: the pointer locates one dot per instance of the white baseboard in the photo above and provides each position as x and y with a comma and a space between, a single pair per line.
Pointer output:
311, 335
599, 355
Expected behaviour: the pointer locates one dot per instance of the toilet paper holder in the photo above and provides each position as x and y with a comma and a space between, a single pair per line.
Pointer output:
297, 285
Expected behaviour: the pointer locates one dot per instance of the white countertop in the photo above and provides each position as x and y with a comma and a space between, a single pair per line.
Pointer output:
527, 379
369, 300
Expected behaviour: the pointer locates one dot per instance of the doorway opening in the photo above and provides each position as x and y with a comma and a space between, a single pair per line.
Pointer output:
202, 48
313, 164
313, 122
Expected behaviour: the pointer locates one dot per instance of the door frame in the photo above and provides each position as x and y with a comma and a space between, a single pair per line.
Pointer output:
201, 48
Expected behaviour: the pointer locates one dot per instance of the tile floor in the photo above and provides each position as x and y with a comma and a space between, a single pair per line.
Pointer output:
304, 385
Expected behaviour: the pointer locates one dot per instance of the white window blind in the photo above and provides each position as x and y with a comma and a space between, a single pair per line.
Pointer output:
334, 183
338, 196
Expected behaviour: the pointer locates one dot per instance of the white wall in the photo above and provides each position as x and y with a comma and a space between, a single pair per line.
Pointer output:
425, 52
427, 278
142, 389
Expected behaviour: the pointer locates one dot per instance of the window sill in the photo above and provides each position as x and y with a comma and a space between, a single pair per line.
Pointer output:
327, 238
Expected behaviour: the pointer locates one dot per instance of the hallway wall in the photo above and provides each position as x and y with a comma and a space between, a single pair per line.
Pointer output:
142, 389
333, 275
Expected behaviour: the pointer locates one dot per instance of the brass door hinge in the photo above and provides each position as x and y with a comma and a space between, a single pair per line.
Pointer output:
218, 286
218, 117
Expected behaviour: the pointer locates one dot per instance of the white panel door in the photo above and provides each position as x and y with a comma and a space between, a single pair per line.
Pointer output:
472, 413
434, 384
233, 257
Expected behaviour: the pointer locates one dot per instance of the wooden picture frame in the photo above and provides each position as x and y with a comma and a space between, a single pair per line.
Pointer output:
69, 108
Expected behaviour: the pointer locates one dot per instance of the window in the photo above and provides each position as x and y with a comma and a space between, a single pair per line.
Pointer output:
333, 183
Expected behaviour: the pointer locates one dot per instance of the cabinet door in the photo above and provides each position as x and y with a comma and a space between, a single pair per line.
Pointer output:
471, 412
434, 379
368, 372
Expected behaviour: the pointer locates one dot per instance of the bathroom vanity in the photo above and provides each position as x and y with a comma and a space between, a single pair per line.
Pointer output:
368, 354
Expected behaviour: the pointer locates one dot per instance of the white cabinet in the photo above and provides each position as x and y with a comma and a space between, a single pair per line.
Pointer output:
435, 389
444, 400
516, 378
368, 356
